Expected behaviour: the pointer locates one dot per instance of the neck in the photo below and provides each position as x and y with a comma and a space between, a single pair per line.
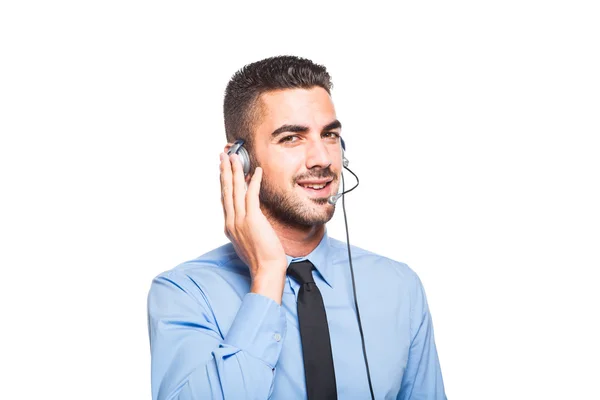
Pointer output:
298, 241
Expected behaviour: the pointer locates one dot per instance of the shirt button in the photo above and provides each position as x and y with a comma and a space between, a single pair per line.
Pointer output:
277, 337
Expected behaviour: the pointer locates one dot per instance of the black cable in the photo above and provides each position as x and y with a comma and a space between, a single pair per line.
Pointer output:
362, 337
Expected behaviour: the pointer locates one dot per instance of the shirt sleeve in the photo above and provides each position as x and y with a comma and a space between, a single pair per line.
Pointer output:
423, 376
190, 357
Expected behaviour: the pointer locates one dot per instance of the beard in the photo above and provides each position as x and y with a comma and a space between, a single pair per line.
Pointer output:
290, 209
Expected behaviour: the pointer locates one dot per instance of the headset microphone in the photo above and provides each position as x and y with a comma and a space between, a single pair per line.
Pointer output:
333, 199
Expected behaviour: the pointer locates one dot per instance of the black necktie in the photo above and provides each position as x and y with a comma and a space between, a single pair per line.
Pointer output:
314, 332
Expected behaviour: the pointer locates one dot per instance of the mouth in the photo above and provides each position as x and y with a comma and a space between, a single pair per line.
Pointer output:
316, 189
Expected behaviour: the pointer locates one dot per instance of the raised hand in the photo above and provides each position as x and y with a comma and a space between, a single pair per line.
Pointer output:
251, 234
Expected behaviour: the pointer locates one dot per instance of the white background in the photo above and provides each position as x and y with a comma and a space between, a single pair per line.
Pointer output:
472, 125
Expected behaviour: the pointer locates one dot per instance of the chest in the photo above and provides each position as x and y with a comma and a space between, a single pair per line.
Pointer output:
386, 331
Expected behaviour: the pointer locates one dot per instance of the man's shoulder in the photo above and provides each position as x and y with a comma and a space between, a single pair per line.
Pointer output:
222, 259
376, 263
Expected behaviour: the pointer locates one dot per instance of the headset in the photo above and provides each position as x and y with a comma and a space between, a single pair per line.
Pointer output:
238, 148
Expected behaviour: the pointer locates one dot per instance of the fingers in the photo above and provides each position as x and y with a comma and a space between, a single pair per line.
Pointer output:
233, 192
252, 199
227, 192
239, 188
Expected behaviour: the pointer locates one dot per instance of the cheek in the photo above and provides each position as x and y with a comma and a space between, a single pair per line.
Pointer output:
280, 174
285, 167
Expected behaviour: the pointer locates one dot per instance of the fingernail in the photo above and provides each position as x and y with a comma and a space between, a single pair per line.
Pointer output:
221, 156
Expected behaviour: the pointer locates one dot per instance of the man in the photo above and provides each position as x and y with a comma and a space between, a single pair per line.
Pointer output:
272, 313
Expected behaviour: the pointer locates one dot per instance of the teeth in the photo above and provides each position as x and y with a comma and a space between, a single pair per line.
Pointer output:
315, 186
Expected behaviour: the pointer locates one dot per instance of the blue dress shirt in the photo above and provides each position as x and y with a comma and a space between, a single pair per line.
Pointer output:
212, 339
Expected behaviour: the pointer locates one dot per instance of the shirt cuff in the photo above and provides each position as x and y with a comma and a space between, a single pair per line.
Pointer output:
259, 328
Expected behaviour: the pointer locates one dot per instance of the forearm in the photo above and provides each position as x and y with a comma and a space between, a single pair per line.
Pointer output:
230, 374
190, 358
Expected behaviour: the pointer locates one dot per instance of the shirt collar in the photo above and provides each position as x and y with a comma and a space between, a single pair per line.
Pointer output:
321, 259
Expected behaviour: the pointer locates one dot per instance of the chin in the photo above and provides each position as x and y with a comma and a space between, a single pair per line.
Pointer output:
323, 216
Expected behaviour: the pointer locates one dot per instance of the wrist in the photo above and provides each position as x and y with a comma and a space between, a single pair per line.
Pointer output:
269, 284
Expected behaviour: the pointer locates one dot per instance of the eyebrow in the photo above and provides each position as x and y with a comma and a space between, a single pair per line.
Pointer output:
301, 128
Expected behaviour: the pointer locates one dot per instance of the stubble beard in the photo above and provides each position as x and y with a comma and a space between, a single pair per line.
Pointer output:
290, 210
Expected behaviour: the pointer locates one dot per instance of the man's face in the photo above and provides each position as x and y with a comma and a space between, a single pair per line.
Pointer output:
297, 144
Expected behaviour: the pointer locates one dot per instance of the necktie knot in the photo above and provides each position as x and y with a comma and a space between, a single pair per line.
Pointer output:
301, 271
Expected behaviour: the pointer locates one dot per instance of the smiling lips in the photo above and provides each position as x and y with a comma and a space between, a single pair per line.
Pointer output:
320, 187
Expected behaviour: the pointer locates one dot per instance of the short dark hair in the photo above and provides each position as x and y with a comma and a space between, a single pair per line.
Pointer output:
241, 107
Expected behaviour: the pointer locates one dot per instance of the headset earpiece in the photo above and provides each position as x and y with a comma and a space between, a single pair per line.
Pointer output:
238, 148
345, 161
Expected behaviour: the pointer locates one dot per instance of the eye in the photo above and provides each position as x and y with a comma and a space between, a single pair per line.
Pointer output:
333, 135
287, 139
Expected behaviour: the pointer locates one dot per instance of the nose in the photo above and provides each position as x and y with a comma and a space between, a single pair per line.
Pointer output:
317, 155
